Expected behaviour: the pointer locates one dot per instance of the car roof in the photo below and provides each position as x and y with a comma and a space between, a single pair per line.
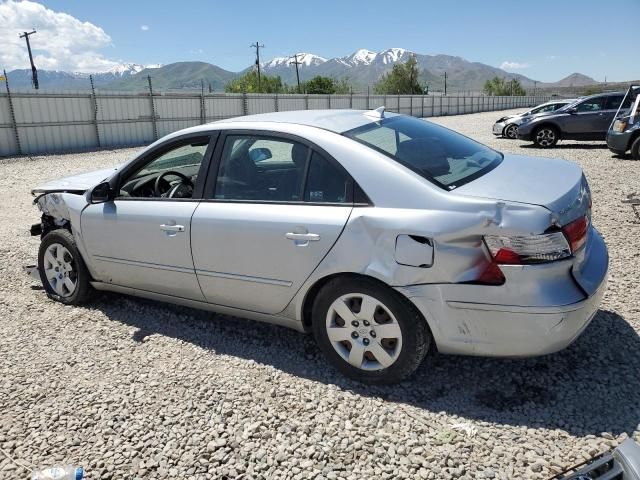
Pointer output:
338, 121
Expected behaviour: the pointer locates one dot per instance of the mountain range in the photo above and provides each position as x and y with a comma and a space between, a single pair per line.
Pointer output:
361, 69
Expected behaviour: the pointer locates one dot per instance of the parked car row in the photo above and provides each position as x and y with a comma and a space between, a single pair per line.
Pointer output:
611, 116
508, 126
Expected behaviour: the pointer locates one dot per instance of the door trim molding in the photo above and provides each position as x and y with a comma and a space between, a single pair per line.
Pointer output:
135, 263
244, 278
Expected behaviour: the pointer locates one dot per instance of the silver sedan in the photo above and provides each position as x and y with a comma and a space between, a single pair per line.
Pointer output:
384, 235
508, 126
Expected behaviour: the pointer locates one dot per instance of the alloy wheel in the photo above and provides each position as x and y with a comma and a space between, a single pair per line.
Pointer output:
60, 270
511, 131
364, 332
546, 137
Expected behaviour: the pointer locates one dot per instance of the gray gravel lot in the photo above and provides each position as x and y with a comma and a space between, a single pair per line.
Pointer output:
135, 389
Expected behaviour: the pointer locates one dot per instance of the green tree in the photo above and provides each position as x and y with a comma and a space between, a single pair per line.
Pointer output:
248, 83
319, 84
499, 87
403, 79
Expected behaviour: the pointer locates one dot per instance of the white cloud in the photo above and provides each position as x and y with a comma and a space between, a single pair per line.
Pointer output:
144, 28
62, 42
506, 65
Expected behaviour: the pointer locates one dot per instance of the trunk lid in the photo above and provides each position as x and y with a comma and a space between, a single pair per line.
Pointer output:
554, 184
557, 185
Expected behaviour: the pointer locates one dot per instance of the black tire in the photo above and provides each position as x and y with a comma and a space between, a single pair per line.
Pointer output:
635, 148
78, 270
546, 136
415, 333
510, 132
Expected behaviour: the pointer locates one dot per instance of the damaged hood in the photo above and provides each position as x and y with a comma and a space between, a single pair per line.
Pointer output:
76, 183
551, 183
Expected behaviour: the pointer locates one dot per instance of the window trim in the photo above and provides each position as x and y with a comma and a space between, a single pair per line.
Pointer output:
212, 174
161, 149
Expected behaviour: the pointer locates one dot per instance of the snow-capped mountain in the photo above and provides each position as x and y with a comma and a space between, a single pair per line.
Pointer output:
61, 80
124, 69
359, 57
367, 57
305, 59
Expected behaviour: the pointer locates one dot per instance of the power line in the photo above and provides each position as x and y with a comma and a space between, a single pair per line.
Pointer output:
296, 63
34, 72
257, 46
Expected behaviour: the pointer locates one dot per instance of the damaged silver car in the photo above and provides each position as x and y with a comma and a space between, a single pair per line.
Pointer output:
384, 235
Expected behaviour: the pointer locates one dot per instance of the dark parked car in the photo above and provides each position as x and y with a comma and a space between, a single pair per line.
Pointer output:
588, 118
624, 133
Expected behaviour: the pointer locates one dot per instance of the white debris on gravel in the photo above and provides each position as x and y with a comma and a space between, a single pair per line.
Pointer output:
135, 389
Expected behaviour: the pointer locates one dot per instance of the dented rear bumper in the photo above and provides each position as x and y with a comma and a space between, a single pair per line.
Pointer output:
539, 310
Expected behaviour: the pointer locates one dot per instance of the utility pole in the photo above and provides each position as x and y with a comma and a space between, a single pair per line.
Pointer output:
34, 72
296, 63
257, 46
445, 84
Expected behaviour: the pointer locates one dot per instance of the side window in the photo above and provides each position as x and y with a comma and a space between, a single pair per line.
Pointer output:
261, 168
383, 138
613, 102
326, 182
170, 174
593, 105
558, 106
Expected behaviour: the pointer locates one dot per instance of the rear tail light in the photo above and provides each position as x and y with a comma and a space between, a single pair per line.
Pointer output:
576, 233
532, 249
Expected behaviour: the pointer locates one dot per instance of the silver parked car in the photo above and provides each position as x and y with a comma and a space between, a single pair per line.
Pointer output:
508, 126
384, 235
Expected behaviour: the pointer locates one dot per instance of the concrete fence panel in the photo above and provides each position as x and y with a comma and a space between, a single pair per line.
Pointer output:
53, 122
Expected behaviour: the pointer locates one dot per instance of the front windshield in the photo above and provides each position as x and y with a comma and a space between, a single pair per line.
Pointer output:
442, 156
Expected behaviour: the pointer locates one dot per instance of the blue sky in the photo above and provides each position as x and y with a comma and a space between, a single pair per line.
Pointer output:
544, 40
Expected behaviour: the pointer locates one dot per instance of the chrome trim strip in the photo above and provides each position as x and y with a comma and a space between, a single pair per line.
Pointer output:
539, 310
245, 278
135, 263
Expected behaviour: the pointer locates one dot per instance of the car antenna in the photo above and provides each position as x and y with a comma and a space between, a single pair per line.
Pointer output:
377, 113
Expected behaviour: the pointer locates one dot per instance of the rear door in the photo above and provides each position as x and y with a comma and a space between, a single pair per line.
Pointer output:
274, 206
586, 123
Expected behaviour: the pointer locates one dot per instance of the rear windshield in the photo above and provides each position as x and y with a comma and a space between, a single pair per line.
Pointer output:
442, 156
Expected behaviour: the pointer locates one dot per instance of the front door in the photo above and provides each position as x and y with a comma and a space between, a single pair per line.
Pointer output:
275, 209
141, 239
586, 122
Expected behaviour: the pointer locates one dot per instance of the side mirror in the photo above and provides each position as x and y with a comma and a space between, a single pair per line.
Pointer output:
101, 193
572, 110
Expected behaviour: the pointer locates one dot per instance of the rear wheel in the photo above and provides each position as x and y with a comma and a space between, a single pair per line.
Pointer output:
62, 270
369, 332
635, 149
511, 131
546, 137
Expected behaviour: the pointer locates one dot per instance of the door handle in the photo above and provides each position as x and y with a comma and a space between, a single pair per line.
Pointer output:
303, 237
172, 228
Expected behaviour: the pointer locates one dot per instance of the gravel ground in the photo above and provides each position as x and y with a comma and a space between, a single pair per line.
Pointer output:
135, 389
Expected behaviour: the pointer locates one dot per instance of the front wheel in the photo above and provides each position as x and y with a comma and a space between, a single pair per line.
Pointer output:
511, 131
369, 332
62, 270
546, 137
